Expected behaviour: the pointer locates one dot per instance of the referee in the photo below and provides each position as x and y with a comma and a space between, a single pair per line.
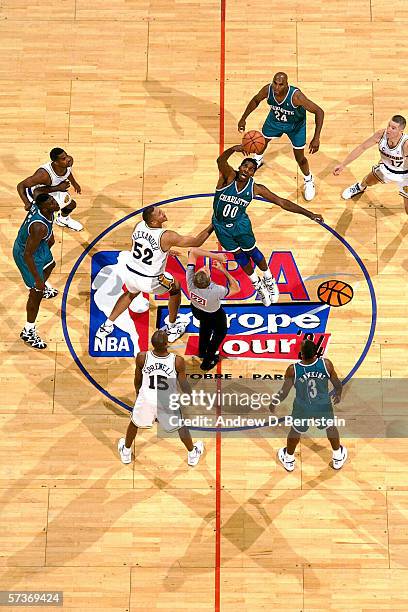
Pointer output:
206, 306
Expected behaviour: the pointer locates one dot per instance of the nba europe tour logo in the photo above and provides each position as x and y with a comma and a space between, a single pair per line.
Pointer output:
254, 331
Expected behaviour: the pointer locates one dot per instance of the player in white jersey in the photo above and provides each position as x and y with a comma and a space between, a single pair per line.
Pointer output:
54, 177
156, 377
393, 165
145, 270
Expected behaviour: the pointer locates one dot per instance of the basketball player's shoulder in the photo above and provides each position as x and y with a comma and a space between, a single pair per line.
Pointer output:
328, 365
378, 134
141, 358
297, 94
180, 363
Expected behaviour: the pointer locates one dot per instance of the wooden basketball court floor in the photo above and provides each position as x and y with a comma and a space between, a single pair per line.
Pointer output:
132, 89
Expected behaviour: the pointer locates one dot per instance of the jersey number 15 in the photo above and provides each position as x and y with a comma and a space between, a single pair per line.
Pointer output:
158, 381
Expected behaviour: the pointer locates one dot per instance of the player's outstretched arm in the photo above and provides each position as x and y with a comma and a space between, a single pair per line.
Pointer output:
334, 379
75, 183
355, 153
38, 231
171, 239
264, 192
227, 172
196, 252
301, 100
140, 359
254, 102
181, 375
40, 177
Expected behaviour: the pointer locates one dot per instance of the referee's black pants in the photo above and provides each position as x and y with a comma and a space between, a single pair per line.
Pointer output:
213, 329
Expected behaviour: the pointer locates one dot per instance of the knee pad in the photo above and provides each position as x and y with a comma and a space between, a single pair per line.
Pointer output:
256, 255
241, 258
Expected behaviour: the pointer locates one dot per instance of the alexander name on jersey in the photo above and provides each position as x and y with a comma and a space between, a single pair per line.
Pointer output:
147, 236
233, 199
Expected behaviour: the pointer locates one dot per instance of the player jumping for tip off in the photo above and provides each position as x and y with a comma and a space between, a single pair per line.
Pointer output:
234, 192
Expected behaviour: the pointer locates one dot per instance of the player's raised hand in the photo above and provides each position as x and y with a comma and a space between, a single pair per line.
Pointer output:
241, 125
314, 145
316, 217
219, 258
239, 148
338, 169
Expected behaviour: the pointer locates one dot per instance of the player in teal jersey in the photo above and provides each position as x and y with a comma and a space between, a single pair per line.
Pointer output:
234, 192
287, 115
312, 403
32, 254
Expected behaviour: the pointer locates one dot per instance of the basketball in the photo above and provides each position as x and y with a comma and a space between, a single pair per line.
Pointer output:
253, 142
335, 293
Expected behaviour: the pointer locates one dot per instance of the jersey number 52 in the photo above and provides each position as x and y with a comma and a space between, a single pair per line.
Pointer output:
145, 254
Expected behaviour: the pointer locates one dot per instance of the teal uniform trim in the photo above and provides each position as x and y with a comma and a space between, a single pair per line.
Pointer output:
231, 223
42, 256
285, 118
312, 398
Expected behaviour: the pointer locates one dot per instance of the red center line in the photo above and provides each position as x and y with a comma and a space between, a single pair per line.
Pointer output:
217, 590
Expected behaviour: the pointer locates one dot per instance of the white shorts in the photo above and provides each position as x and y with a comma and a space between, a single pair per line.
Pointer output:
63, 198
157, 285
386, 176
145, 413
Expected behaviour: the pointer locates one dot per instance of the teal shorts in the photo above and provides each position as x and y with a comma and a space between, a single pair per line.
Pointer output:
42, 259
303, 413
235, 236
296, 134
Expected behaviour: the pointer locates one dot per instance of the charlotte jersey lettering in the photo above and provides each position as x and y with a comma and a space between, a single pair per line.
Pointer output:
285, 112
311, 384
393, 156
230, 204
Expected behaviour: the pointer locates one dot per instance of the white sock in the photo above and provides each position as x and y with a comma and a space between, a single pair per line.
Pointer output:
109, 322
254, 278
308, 177
289, 457
337, 454
268, 274
28, 326
47, 284
258, 157
126, 450
361, 186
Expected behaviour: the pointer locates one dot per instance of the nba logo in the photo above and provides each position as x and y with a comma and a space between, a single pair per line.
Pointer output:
132, 327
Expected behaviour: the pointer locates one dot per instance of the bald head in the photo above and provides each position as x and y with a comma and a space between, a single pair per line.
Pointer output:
281, 76
280, 85
159, 340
